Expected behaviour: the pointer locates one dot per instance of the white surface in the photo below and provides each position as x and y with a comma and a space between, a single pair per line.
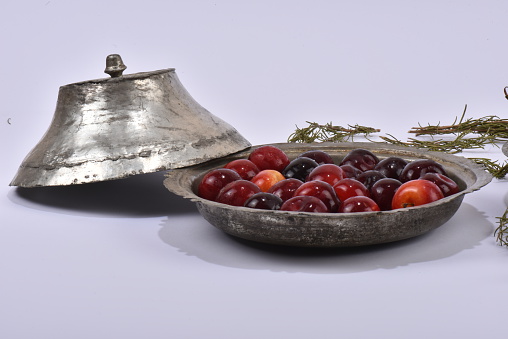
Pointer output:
127, 259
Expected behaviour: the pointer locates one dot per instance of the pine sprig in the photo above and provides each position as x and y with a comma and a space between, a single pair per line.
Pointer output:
457, 145
328, 132
497, 170
469, 134
501, 231
491, 128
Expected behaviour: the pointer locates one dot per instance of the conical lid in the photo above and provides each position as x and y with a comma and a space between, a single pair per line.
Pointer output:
125, 125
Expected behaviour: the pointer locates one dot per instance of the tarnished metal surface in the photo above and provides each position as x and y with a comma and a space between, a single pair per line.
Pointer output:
332, 229
114, 65
113, 128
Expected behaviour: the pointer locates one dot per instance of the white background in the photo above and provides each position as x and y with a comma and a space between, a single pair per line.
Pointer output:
128, 259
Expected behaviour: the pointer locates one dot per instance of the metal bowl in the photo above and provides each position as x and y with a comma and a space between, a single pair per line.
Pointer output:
331, 229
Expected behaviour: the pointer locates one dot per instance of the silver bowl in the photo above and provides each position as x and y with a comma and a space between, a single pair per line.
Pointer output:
331, 229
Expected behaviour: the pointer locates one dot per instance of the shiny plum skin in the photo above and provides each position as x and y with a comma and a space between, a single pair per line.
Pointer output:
264, 201
382, 192
237, 192
369, 178
446, 184
299, 168
285, 189
360, 158
329, 173
214, 181
321, 190
269, 157
358, 204
318, 156
391, 167
350, 171
415, 169
245, 168
349, 187
375, 184
416, 193
267, 178
304, 204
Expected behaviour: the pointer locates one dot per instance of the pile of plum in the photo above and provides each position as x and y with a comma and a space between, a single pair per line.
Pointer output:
312, 182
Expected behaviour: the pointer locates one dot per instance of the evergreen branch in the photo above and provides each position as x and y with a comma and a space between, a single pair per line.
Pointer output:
328, 132
490, 126
493, 167
501, 231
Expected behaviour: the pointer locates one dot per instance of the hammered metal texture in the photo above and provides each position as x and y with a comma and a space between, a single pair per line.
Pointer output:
332, 229
113, 128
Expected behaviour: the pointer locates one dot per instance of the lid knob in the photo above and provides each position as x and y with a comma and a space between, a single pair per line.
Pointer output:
114, 65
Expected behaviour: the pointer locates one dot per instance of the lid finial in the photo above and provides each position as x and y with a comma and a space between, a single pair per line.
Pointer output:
114, 65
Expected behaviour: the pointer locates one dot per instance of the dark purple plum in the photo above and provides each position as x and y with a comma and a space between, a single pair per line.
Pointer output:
391, 167
361, 158
299, 168
318, 156
416, 169
350, 171
264, 201
382, 192
368, 178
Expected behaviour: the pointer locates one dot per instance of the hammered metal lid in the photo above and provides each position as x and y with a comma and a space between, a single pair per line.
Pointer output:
125, 125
